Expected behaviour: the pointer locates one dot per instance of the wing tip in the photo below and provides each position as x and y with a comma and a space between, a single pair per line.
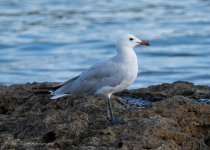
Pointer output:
54, 97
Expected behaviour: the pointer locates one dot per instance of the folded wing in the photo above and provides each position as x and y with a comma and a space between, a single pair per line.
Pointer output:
96, 77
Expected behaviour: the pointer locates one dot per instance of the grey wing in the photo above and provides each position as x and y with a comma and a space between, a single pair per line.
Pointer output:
68, 82
98, 76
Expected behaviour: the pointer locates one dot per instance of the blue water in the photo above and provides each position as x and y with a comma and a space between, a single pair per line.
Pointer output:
54, 40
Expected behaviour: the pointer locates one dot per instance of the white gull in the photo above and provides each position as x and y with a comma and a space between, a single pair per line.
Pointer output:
106, 78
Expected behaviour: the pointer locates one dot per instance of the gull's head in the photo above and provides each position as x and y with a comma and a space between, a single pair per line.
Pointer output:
130, 41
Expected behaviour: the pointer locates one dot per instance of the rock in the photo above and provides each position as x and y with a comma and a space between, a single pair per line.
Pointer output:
174, 120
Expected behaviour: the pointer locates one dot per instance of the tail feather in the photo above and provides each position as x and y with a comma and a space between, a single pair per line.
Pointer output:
50, 90
59, 96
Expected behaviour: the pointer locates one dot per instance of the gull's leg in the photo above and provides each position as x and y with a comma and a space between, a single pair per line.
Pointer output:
109, 109
110, 114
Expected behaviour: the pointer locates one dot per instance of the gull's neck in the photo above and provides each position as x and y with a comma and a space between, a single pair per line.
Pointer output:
127, 59
126, 53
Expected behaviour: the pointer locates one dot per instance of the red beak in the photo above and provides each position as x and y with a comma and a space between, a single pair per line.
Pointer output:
145, 43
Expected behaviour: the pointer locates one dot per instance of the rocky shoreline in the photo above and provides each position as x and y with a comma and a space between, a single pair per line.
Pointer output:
178, 118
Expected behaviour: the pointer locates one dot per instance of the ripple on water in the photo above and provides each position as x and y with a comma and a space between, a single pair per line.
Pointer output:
136, 102
43, 36
203, 101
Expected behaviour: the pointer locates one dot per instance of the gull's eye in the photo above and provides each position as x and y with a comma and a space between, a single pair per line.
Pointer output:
131, 39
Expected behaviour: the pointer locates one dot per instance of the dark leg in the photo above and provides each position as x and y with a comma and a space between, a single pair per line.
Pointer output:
109, 109
110, 114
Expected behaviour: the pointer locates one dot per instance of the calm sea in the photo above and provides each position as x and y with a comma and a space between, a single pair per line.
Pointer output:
54, 40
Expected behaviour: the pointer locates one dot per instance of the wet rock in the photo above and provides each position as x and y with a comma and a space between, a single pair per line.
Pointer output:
177, 118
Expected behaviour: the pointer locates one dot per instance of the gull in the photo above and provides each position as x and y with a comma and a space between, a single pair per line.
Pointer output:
108, 77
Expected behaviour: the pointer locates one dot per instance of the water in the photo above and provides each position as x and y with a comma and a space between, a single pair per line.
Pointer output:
51, 40
143, 103
203, 101
136, 102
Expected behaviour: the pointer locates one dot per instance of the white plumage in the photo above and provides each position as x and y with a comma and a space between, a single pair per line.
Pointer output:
108, 77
